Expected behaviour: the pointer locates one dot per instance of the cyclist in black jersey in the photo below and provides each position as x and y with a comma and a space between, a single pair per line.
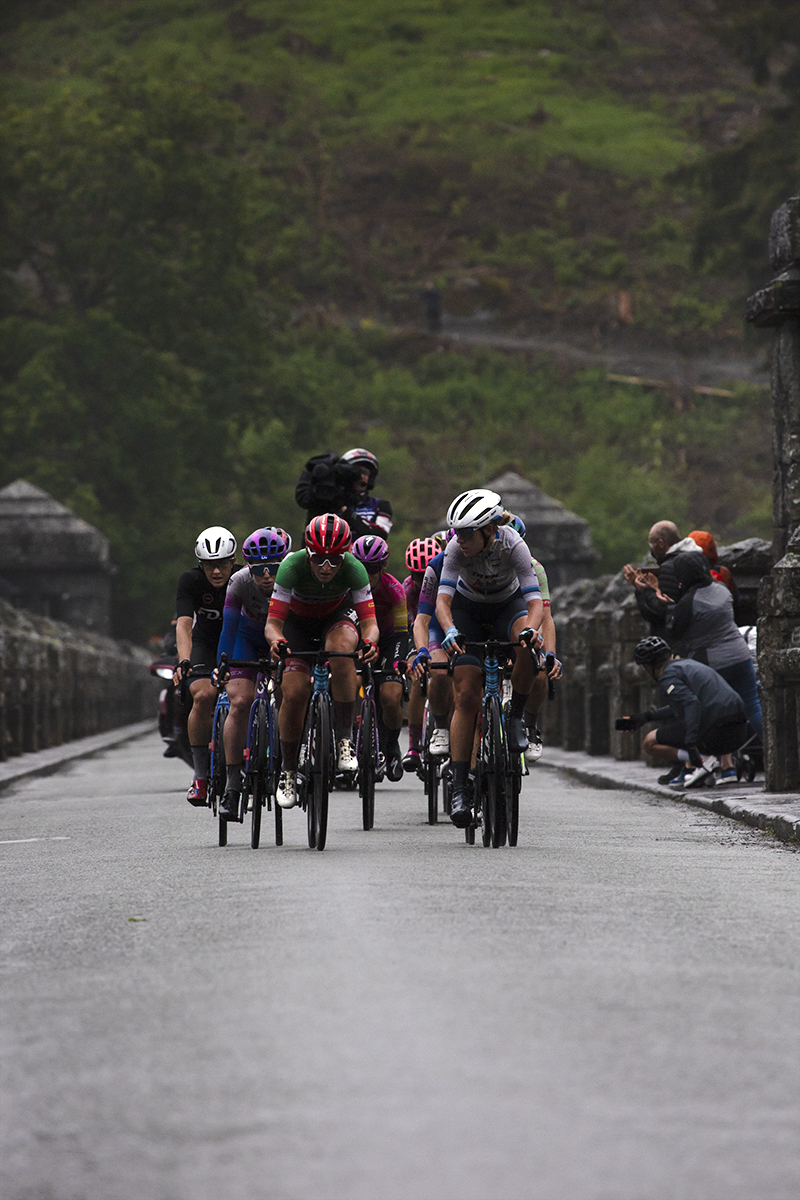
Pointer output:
199, 604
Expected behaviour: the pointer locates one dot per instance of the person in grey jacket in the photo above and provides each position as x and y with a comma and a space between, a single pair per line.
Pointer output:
703, 716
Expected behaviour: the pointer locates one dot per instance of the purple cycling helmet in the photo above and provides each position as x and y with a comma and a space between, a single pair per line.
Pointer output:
372, 551
264, 546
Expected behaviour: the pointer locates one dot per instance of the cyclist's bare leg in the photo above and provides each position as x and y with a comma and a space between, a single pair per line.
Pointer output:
467, 693
536, 699
440, 691
391, 696
522, 671
296, 689
344, 680
240, 694
201, 718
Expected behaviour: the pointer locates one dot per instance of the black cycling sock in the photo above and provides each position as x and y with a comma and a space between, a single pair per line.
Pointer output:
233, 780
343, 714
460, 772
289, 752
200, 759
518, 700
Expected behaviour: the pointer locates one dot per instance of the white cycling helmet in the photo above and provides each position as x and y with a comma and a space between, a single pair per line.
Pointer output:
214, 543
474, 509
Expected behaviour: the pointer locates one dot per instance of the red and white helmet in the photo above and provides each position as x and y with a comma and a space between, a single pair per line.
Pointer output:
362, 458
328, 534
214, 543
474, 509
420, 552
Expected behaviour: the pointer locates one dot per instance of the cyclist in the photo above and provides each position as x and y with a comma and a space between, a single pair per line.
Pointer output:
242, 637
391, 613
488, 589
418, 555
322, 597
428, 635
200, 599
547, 629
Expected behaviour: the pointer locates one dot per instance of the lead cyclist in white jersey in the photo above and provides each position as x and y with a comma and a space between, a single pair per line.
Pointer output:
488, 590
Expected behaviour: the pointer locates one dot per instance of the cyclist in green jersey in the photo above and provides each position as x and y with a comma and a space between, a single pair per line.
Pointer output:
322, 598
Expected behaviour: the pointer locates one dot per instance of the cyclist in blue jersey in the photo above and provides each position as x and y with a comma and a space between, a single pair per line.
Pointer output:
243, 619
488, 589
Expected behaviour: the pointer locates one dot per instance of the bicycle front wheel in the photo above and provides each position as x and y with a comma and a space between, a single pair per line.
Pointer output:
320, 767
258, 767
430, 773
367, 754
494, 797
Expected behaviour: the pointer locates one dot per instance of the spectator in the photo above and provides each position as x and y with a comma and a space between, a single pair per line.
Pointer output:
709, 547
666, 546
703, 716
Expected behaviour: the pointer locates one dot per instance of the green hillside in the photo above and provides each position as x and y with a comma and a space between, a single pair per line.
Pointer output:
199, 193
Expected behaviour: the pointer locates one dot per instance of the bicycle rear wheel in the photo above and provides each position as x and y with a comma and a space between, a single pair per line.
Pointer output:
367, 754
513, 789
319, 764
258, 767
217, 773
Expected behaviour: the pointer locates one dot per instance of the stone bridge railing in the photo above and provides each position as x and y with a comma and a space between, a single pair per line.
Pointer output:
598, 625
58, 683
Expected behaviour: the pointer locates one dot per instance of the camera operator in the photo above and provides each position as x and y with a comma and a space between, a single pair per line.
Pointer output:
342, 486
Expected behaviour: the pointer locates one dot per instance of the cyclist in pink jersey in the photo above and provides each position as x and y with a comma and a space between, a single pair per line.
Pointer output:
391, 613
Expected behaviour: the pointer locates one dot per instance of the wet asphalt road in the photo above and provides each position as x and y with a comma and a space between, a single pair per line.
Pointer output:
607, 1012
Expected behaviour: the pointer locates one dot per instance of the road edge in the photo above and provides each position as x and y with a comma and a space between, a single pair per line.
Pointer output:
45, 762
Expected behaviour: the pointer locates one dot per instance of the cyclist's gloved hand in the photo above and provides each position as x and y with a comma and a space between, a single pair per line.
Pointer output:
183, 669
422, 656
530, 636
449, 642
279, 648
369, 650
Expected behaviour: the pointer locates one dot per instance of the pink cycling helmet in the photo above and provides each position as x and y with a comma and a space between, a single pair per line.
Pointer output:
420, 552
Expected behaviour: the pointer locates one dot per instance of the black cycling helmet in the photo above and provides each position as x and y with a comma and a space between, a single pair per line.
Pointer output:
651, 651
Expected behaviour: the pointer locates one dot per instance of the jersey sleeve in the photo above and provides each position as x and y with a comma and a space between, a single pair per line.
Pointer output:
449, 577
185, 599
523, 565
427, 593
544, 586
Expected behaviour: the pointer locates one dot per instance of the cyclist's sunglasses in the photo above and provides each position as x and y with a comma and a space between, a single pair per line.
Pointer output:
463, 535
331, 560
264, 568
373, 568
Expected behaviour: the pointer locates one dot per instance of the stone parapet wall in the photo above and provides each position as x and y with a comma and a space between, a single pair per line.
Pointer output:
58, 683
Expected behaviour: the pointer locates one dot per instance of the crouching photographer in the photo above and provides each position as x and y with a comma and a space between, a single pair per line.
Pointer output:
703, 717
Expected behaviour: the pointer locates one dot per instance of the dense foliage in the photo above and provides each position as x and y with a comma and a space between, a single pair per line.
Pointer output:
194, 188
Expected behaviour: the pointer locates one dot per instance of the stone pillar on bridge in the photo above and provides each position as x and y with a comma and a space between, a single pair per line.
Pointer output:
777, 306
